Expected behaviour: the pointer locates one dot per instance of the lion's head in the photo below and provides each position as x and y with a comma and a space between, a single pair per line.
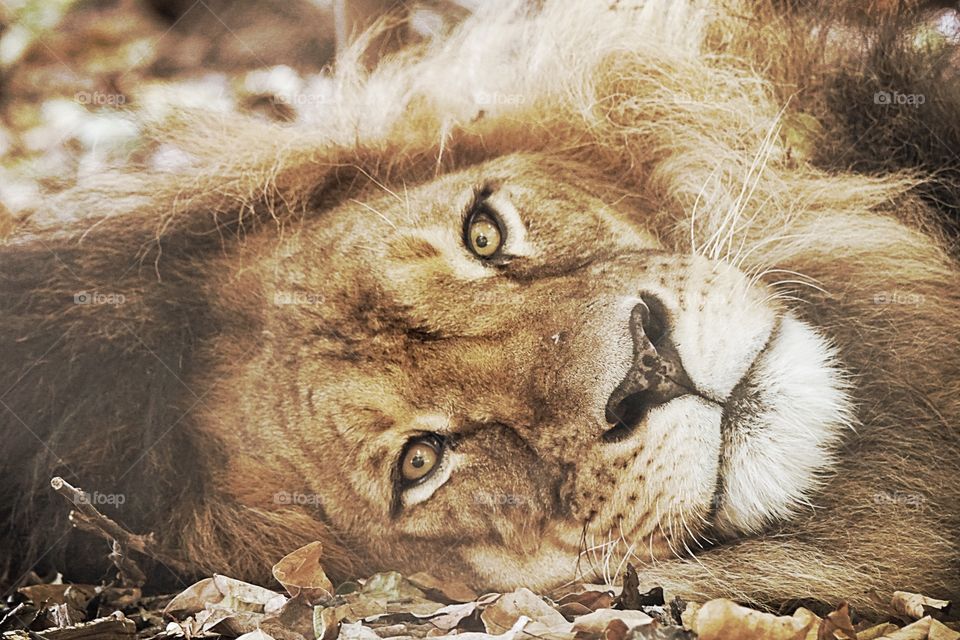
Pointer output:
516, 315
509, 362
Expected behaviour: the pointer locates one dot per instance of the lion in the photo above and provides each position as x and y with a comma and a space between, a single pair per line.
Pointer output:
549, 296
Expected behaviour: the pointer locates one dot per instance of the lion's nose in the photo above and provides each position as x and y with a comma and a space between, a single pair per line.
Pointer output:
656, 375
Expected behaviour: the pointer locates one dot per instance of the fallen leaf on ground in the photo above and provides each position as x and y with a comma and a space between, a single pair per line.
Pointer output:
584, 602
616, 629
450, 616
356, 631
226, 593
293, 621
300, 572
503, 614
940, 631
837, 624
919, 630
511, 633
257, 634
391, 586
722, 620
597, 621
915, 605
450, 590
877, 631
114, 627
326, 624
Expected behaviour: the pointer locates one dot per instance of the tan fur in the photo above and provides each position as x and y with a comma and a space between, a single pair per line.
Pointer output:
626, 145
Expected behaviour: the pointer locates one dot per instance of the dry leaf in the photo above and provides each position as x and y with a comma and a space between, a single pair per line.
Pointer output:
688, 617
877, 631
326, 624
597, 621
509, 634
74, 594
222, 592
584, 602
300, 572
450, 616
356, 631
450, 590
228, 622
256, 634
631, 598
503, 614
912, 604
837, 624
940, 631
916, 631
292, 621
616, 629
112, 627
723, 619
359, 608
813, 632
243, 596
193, 599
390, 585
388, 593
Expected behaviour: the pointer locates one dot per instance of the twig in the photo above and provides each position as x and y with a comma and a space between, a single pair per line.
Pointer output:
88, 518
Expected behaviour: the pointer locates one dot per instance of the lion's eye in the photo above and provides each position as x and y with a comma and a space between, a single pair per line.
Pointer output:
420, 458
483, 236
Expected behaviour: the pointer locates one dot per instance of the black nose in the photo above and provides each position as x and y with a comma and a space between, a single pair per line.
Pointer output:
656, 375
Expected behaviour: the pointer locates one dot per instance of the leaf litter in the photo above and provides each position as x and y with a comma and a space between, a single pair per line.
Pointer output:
390, 606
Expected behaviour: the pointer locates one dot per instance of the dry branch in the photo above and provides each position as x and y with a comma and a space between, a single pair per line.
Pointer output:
88, 518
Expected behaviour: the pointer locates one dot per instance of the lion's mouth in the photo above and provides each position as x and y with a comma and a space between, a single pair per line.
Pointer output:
743, 396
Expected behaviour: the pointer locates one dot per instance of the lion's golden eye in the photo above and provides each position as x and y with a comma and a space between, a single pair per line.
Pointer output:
419, 459
483, 236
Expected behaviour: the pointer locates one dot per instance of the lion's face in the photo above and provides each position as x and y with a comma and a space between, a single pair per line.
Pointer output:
489, 373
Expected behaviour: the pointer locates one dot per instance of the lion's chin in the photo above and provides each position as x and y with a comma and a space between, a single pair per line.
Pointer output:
780, 428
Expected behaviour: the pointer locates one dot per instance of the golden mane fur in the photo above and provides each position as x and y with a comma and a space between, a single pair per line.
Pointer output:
668, 102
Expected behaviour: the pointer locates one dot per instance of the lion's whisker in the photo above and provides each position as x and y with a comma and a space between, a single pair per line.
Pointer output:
693, 212
369, 208
378, 183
